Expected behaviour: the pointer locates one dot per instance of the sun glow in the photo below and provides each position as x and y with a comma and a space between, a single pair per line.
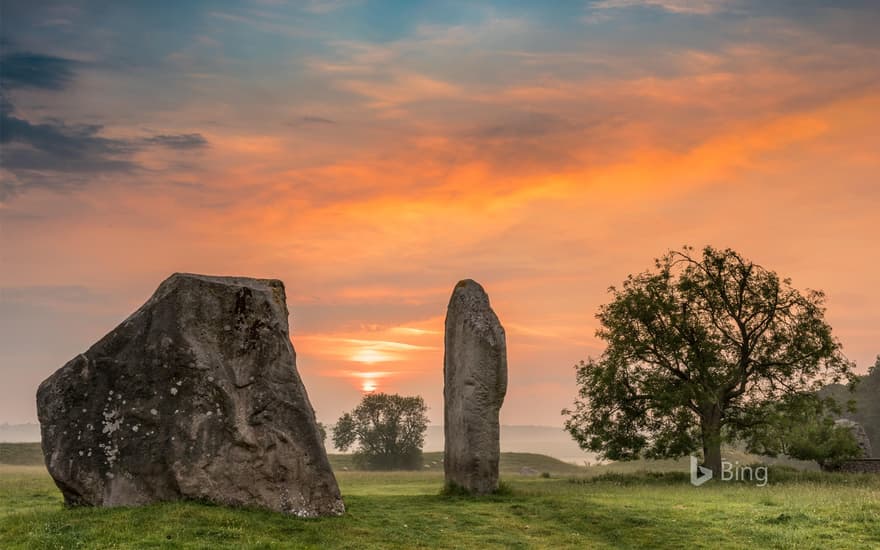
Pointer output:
369, 381
371, 356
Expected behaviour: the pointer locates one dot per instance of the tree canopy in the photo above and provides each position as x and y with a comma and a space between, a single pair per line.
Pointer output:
805, 428
697, 350
387, 431
865, 405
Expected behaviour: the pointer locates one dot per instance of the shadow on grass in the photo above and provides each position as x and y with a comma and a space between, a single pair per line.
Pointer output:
454, 490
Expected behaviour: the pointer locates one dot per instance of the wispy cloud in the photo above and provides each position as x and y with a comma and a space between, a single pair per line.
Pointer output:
178, 141
379, 345
34, 152
411, 331
55, 154
402, 88
32, 70
697, 7
328, 6
312, 120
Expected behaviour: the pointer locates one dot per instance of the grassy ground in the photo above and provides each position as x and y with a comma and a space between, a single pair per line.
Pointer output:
590, 509
511, 463
21, 454
29, 454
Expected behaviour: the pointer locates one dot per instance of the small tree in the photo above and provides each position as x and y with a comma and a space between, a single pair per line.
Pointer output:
388, 432
696, 351
804, 428
864, 406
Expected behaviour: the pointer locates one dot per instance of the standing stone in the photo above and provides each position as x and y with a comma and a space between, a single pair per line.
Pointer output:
475, 381
858, 432
194, 396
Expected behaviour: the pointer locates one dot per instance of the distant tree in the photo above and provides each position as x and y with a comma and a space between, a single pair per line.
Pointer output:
804, 428
387, 431
864, 406
322, 430
696, 350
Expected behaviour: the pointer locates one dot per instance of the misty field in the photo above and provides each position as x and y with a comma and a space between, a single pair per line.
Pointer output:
572, 508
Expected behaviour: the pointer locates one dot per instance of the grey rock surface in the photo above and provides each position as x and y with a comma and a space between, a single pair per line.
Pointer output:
475, 382
859, 433
195, 396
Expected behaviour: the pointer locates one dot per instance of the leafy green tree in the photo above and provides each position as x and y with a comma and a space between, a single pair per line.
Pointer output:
804, 428
322, 430
696, 349
387, 431
865, 407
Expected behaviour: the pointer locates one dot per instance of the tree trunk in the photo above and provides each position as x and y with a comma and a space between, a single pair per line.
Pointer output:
710, 426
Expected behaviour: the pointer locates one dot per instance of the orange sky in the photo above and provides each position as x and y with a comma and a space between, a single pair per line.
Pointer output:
546, 159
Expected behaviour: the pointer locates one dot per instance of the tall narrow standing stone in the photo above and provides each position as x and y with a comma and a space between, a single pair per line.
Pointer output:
475, 381
194, 396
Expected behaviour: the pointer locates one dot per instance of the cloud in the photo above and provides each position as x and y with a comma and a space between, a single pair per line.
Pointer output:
360, 350
402, 88
523, 126
309, 120
34, 152
58, 146
179, 141
30, 70
55, 154
695, 7
327, 6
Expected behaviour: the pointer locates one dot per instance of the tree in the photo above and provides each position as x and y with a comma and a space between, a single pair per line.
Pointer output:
322, 431
805, 428
696, 350
387, 430
865, 407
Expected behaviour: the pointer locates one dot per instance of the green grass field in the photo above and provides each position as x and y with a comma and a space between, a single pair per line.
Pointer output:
615, 506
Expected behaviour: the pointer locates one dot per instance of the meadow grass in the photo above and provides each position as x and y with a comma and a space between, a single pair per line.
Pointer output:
21, 454
586, 509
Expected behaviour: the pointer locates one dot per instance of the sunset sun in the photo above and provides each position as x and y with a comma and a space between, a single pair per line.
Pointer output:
369, 381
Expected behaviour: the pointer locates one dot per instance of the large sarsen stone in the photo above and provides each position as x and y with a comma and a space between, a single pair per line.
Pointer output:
475, 381
194, 396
